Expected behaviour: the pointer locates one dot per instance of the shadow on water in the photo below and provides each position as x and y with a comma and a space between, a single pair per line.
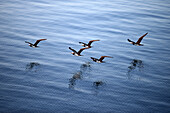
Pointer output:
135, 65
85, 66
84, 70
32, 66
75, 77
96, 86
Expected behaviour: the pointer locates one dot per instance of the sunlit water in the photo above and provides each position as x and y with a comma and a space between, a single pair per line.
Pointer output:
51, 79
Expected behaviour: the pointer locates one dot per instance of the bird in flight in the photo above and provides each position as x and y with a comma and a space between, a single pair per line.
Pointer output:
139, 40
100, 60
77, 53
89, 44
35, 44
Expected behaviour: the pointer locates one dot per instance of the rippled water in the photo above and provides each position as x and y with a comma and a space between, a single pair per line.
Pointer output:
50, 79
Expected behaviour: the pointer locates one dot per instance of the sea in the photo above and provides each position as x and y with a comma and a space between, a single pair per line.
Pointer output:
49, 79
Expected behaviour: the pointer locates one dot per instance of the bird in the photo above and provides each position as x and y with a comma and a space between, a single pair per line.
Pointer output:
139, 40
35, 44
100, 60
77, 53
89, 44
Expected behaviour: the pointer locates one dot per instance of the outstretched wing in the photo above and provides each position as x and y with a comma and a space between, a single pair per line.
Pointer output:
102, 57
83, 43
35, 44
140, 39
28, 42
94, 59
73, 50
129, 40
90, 42
81, 50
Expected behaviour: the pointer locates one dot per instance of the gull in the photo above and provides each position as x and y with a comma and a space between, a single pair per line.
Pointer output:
89, 44
35, 44
77, 53
100, 60
139, 40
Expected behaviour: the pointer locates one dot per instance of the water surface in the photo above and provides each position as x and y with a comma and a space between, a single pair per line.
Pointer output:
50, 79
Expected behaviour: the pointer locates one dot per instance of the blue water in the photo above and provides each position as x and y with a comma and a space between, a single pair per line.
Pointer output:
50, 79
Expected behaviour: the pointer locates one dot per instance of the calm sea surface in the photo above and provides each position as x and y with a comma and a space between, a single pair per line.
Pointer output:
51, 79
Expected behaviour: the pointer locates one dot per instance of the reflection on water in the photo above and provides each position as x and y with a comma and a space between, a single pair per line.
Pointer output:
32, 66
79, 75
44, 86
135, 65
96, 85
76, 76
85, 66
84, 72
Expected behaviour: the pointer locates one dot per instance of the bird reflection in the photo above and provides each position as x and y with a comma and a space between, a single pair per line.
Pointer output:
96, 85
79, 75
85, 66
134, 65
32, 66
72, 81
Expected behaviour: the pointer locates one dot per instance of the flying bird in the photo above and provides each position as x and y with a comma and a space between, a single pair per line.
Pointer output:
100, 60
77, 53
35, 44
89, 44
139, 40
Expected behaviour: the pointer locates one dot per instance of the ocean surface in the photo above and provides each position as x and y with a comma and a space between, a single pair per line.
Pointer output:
50, 79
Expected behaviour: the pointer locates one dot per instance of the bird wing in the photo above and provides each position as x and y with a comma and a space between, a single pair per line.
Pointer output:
35, 44
82, 43
129, 40
28, 42
102, 57
73, 50
90, 42
81, 50
94, 59
140, 39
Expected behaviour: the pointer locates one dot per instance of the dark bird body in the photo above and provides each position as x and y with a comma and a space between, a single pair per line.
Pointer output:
77, 53
35, 44
100, 60
89, 44
139, 40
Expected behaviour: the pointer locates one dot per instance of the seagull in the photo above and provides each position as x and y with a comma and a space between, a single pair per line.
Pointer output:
35, 44
77, 53
100, 60
89, 44
139, 40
